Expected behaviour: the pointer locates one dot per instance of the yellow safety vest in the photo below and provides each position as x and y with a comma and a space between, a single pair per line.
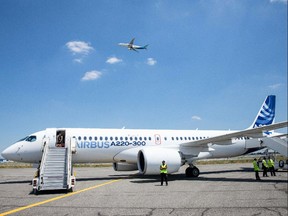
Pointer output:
256, 168
270, 163
163, 168
264, 163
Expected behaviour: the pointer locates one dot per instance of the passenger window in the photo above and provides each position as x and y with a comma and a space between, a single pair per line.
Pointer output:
79, 138
85, 138
90, 138
101, 138
95, 138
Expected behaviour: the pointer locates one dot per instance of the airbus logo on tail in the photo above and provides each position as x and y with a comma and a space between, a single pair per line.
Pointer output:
267, 113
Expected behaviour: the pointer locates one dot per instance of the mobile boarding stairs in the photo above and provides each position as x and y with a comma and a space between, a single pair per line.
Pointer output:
55, 172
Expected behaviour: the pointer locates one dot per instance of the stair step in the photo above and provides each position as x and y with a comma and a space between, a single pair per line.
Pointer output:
60, 187
54, 171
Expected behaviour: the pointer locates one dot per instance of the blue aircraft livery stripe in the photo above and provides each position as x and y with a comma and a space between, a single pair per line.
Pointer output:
267, 113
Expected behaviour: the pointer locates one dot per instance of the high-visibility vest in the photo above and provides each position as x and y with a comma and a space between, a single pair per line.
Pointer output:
256, 168
270, 163
163, 168
264, 163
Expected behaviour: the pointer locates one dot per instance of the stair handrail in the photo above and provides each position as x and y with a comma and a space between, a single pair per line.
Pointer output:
68, 163
43, 161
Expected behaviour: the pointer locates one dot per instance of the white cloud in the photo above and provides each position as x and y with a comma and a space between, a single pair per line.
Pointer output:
275, 86
280, 1
79, 47
196, 118
91, 75
113, 60
78, 60
151, 61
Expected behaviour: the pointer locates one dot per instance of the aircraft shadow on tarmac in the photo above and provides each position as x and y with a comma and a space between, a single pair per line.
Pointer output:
140, 179
182, 177
17, 182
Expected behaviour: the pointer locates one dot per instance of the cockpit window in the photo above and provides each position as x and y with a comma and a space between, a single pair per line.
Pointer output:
22, 139
30, 138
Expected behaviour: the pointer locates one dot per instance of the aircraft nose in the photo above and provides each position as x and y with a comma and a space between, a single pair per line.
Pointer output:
9, 153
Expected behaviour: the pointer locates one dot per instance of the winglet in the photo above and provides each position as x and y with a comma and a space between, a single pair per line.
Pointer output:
266, 113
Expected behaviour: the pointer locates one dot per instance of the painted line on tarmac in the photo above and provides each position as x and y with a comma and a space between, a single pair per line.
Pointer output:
56, 198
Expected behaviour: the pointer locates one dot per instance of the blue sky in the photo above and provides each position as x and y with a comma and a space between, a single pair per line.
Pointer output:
209, 64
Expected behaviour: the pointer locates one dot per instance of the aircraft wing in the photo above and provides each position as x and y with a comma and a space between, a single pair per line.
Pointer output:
132, 41
132, 48
251, 132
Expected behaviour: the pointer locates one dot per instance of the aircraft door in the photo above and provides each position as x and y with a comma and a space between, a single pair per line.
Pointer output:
60, 138
157, 139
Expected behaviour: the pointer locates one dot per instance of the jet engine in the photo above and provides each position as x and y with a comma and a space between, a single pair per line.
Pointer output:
124, 167
150, 159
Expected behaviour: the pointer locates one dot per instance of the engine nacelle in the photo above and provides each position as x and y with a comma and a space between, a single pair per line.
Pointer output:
150, 159
124, 167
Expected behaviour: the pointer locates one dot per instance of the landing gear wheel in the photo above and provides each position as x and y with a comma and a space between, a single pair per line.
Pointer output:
281, 163
192, 172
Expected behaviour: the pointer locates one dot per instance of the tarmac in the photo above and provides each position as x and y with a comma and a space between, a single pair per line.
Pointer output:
229, 189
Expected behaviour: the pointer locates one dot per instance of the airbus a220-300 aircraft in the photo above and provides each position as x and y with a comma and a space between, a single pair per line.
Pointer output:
143, 150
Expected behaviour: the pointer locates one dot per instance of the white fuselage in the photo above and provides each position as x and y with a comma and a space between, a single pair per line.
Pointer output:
131, 46
108, 145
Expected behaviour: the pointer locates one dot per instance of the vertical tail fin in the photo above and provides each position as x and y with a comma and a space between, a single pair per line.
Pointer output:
266, 113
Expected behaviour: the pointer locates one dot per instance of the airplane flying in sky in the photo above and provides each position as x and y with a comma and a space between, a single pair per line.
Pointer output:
131, 45
143, 150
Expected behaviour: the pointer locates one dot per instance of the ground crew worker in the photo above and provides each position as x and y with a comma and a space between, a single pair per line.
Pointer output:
271, 166
163, 172
256, 169
264, 167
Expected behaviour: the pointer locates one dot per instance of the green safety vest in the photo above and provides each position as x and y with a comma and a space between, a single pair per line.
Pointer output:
270, 163
163, 168
256, 168
264, 163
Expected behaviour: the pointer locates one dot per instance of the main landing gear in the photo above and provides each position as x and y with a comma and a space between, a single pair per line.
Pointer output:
192, 171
